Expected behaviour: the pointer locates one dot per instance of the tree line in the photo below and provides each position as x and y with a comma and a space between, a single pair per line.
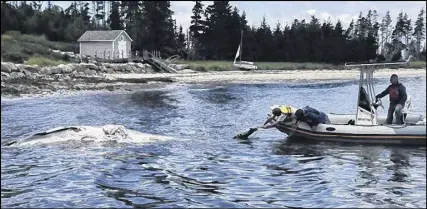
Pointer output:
215, 32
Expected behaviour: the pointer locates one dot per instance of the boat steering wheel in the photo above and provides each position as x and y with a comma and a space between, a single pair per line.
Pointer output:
378, 103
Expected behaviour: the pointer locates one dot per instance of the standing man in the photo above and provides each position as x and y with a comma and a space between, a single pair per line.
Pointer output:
397, 93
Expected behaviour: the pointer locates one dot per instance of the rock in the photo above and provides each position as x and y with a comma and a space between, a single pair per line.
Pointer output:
8, 67
5, 68
140, 65
5, 76
88, 71
65, 68
57, 76
28, 74
33, 69
128, 68
93, 72
20, 67
123, 67
115, 67
80, 68
187, 71
66, 78
149, 70
74, 73
45, 71
55, 70
102, 68
9, 90
91, 66
110, 70
110, 88
17, 75
134, 68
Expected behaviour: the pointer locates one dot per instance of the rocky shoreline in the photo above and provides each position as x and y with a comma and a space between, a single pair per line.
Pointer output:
17, 79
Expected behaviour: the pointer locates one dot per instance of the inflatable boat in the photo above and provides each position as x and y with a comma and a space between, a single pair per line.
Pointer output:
365, 126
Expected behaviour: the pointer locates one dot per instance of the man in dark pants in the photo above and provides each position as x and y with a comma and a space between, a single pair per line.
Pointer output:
312, 117
397, 93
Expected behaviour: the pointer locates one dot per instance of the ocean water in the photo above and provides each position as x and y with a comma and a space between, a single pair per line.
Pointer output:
211, 169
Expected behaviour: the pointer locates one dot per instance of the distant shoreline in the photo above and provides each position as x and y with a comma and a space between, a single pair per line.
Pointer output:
270, 75
121, 82
210, 65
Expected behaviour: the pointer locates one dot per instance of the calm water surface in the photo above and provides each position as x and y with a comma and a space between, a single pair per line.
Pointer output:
211, 169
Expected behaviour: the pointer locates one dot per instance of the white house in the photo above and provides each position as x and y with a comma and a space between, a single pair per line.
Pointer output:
107, 44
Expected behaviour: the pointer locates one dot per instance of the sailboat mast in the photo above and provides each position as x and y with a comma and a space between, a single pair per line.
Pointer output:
241, 46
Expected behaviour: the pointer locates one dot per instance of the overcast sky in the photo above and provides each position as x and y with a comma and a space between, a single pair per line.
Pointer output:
286, 11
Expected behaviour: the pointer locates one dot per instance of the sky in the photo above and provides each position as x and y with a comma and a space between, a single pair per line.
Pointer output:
285, 12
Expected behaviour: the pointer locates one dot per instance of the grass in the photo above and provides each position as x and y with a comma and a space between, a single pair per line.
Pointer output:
43, 61
228, 65
417, 64
32, 49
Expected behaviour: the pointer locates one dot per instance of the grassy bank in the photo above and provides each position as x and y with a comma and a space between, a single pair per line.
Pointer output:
228, 65
32, 49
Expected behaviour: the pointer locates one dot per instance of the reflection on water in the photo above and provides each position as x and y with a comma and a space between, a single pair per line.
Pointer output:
152, 99
400, 162
212, 169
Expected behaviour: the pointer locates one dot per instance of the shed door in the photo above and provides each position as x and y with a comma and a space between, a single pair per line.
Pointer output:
122, 47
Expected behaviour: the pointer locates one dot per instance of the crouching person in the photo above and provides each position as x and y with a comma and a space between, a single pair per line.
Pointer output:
312, 117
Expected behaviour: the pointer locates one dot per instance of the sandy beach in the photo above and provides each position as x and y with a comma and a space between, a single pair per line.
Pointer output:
117, 82
270, 76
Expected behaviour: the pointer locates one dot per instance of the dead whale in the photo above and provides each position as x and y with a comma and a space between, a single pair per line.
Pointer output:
117, 133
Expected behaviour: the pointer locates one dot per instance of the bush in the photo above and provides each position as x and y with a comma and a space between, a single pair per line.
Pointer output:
396, 57
6, 37
13, 33
14, 57
34, 39
380, 58
66, 57
28, 51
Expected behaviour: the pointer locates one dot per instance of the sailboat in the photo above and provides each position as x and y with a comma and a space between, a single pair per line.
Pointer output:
243, 65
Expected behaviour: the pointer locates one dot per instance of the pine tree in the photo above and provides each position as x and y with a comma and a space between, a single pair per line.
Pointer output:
419, 32
386, 31
114, 19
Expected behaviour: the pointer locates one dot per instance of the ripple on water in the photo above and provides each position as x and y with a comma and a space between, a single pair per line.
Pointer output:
211, 169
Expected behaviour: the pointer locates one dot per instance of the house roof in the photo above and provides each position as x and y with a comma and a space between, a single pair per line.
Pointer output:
101, 35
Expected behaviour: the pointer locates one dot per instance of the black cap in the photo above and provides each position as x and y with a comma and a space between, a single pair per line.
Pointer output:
277, 112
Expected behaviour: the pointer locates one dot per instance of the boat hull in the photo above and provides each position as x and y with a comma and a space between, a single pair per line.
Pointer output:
247, 67
397, 134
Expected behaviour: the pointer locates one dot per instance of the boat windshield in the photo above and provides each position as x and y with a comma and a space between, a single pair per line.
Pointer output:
364, 101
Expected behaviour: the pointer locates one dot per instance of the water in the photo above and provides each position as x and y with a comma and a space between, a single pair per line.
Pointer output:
211, 169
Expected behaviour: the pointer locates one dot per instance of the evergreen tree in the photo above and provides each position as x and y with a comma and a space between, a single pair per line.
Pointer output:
419, 32
114, 20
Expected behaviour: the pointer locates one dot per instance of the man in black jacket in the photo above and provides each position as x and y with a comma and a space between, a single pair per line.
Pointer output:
397, 93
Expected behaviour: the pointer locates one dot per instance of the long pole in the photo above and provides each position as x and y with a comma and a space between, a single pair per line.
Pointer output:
241, 46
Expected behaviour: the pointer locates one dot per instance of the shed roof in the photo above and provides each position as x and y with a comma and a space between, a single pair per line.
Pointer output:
101, 35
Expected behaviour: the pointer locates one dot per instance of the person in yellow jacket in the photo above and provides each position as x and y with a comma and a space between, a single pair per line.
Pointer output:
279, 113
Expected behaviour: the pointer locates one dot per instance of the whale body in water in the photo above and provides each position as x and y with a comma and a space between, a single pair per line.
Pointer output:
117, 133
